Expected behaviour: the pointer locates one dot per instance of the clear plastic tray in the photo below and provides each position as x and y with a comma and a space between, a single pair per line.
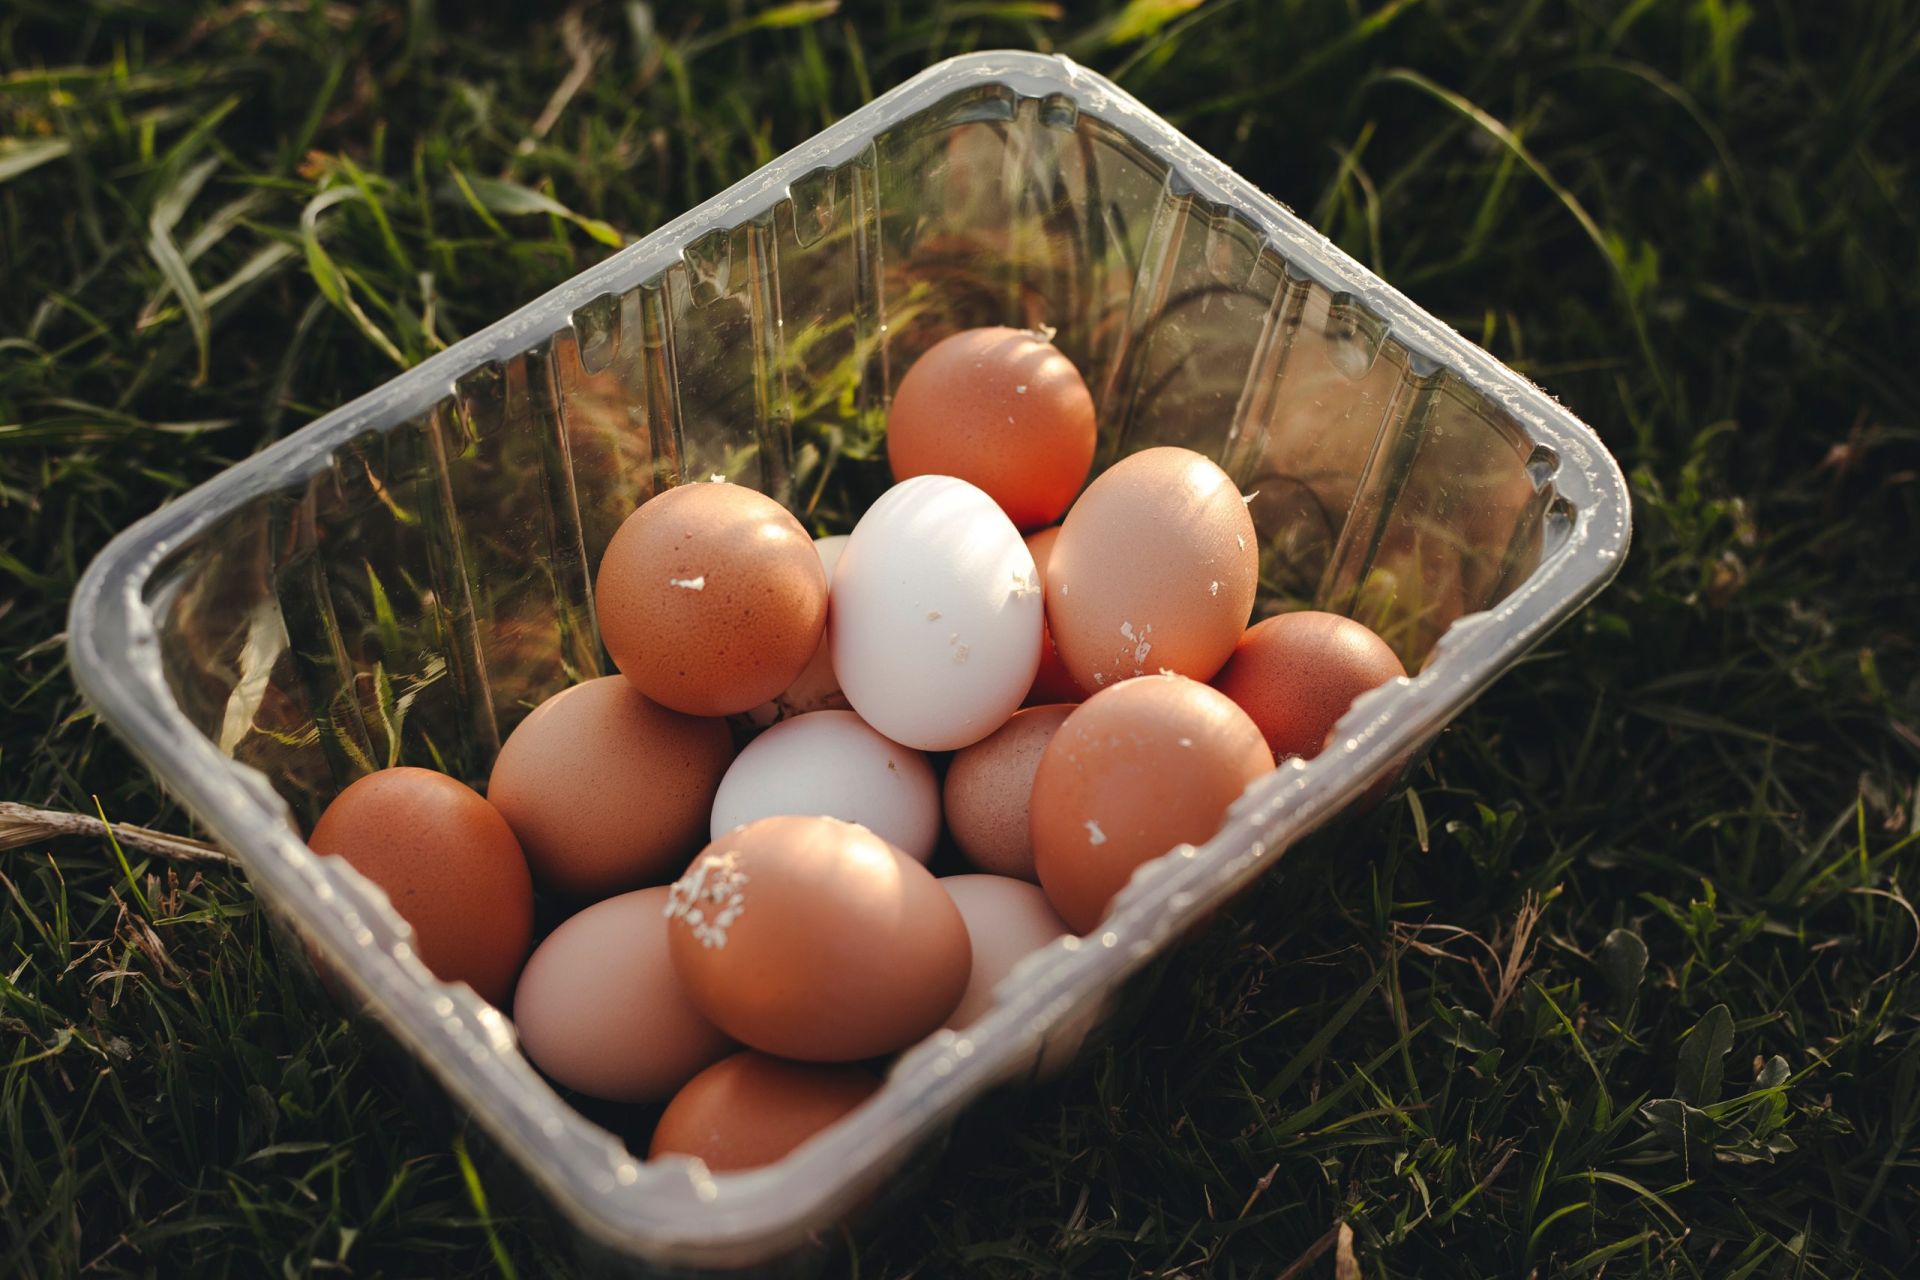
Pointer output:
401, 580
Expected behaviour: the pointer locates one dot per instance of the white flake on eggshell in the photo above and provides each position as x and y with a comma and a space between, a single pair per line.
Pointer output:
689, 584
709, 897
1020, 389
1186, 742
1094, 834
1213, 588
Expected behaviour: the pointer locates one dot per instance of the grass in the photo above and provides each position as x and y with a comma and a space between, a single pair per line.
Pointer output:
1624, 986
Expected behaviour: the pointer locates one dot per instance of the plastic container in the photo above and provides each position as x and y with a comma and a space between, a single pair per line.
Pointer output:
403, 579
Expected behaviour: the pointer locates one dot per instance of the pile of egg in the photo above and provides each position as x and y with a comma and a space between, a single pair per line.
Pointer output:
754, 930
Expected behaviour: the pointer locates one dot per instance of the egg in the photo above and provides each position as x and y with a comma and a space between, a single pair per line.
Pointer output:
1007, 921
1002, 409
1134, 771
711, 598
599, 1009
988, 786
1155, 570
751, 1110
936, 617
833, 764
1297, 673
814, 689
814, 939
1053, 682
450, 866
606, 789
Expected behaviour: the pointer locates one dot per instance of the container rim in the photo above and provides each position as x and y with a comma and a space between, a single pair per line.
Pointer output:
673, 1212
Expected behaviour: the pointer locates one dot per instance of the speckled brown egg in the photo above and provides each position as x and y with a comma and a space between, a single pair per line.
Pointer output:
987, 789
599, 1009
606, 789
1053, 683
1002, 409
449, 864
1136, 769
813, 938
1297, 673
711, 599
751, 1110
1155, 570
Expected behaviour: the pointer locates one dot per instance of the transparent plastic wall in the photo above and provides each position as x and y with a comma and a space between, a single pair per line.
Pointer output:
414, 600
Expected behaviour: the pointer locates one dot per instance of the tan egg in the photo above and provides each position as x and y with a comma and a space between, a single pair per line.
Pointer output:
599, 1009
813, 938
1003, 410
711, 599
1136, 770
815, 688
1007, 921
1297, 673
1054, 683
751, 1110
606, 789
987, 788
1155, 570
449, 864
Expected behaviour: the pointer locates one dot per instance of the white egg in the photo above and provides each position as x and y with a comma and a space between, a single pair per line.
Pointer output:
814, 689
831, 764
936, 615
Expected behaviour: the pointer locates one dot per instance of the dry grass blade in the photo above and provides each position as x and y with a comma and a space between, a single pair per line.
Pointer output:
22, 825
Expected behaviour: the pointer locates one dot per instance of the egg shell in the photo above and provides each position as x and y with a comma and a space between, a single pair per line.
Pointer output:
814, 939
450, 866
751, 1110
1296, 674
814, 689
1155, 570
1134, 771
711, 598
1053, 682
608, 790
1007, 921
600, 1010
936, 617
833, 764
1002, 409
989, 785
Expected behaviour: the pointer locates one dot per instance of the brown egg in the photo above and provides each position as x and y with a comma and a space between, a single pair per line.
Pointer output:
1007, 921
1054, 683
450, 866
815, 939
711, 599
1297, 673
1155, 570
607, 789
1002, 409
987, 788
1135, 770
599, 1009
751, 1110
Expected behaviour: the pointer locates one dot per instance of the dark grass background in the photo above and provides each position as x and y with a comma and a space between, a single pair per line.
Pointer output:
1627, 985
